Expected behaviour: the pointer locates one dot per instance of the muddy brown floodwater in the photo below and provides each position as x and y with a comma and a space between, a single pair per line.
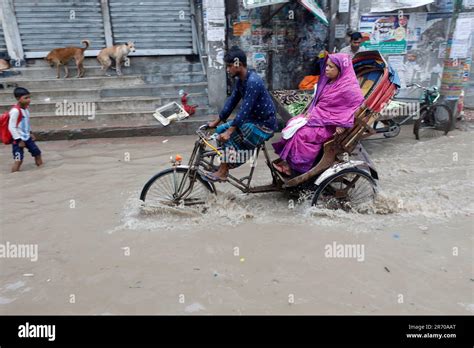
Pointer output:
99, 252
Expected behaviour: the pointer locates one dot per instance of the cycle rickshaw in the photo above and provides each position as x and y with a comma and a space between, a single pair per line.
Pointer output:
342, 177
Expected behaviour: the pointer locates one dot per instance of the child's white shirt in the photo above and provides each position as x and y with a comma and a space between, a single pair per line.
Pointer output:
23, 130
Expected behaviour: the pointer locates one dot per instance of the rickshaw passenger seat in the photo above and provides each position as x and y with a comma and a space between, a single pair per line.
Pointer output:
318, 157
368, 79
366, 87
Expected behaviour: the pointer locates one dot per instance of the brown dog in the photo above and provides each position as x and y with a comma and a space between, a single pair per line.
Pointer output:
118, 53
61, 56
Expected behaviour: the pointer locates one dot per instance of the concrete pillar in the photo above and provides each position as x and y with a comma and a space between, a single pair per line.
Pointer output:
354, 14
452, 77
215, 40
337, 19
12, 32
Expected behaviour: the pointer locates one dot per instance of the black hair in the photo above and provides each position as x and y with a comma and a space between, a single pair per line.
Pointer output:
235, 54
20, 92
356, 36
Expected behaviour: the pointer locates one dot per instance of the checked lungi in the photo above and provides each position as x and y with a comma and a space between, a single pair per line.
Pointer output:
243, 141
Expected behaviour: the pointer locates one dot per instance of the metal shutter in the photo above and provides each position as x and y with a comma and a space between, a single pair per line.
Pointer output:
47, 24
3, 46
156, 26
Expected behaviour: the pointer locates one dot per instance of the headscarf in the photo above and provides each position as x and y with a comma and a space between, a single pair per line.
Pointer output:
335, 103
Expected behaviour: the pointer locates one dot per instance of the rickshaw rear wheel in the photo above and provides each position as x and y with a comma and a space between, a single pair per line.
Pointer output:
348, 189
161, 189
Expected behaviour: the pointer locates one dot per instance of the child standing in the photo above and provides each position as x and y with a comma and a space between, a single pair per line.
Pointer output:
20, 131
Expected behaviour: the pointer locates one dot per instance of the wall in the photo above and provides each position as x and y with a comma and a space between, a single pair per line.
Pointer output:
282, 48
423, 61
3, 45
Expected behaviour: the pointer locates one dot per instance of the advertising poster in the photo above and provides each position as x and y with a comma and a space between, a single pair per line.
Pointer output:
452, 78
392, 5
241, 28
386, 33
260, 63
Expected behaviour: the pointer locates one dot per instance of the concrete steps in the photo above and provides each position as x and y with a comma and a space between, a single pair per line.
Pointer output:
73, 82
107, 106
121, 129
166, 73
101, 118
138, 65
114, 104
94, 93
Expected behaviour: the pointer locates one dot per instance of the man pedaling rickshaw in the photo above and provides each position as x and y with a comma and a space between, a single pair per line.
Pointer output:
255, 122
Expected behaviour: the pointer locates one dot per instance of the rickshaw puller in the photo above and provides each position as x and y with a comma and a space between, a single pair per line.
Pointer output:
255, 122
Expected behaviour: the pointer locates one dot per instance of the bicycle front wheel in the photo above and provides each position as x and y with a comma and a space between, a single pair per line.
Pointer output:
176, 187
433, 122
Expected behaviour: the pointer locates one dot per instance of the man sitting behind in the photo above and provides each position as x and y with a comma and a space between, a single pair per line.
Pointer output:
355, 45
255, 122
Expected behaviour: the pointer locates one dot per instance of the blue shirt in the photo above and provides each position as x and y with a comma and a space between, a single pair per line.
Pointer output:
257, 104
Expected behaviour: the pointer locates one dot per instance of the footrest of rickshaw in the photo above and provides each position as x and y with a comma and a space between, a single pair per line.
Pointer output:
281, 176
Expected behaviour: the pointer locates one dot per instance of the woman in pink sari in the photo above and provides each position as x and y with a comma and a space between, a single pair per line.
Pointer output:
332, 110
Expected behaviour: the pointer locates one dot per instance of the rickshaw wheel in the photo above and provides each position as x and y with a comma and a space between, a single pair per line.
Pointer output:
161, 189
348, 189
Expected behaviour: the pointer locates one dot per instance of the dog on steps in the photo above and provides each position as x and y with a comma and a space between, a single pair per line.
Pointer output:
61, 56
117, 53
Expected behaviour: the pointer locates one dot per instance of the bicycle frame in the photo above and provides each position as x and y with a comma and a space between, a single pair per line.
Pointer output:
202, 158
426, 103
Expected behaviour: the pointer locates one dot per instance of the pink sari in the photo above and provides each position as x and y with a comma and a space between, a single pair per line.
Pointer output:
333, 106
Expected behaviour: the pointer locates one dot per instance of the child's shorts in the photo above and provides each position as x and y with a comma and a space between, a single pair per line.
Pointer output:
30, 145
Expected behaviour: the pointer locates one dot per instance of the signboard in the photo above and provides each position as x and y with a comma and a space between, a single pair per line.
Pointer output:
445, 5
461, 44
340, 31
312, 5
392, 5
343, 6
259, 3
386, 33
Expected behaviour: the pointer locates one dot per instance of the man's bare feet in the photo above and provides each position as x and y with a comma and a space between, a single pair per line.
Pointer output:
222, 172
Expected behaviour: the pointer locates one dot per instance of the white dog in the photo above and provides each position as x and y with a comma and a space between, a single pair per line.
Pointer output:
118, 53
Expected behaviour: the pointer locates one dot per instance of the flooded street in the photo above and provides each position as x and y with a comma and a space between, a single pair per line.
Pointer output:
100, 252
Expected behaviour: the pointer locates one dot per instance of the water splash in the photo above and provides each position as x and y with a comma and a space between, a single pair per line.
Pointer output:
415, 188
